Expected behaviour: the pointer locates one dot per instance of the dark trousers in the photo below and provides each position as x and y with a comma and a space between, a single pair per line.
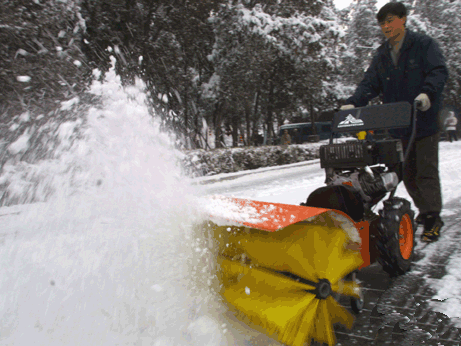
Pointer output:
452, 135
421, 174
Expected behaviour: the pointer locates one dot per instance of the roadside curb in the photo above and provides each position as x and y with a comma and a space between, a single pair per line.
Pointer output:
231, 176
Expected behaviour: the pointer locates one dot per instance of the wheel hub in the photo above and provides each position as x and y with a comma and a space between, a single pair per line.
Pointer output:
406, 237
323, 289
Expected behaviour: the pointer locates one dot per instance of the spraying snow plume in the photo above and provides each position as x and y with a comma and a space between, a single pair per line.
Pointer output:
103, 259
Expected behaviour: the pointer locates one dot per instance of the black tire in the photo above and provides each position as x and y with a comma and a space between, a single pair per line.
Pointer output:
357, 305
396, 212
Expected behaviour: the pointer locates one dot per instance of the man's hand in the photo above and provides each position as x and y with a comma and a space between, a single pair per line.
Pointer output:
425, 102
346, 107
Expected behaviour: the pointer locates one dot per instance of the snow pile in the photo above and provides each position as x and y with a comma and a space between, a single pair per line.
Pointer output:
447, 299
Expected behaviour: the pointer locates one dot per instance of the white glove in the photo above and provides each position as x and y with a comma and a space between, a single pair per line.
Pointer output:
425, 102
346, 107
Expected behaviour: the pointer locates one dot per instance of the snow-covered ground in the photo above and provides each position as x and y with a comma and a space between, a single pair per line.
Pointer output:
108, 259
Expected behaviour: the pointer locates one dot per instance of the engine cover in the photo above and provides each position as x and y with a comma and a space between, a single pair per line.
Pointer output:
361, 153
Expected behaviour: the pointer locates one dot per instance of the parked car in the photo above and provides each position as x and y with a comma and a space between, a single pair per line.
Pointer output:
302, 132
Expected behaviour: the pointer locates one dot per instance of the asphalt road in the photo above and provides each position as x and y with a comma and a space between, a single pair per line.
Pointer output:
397, 311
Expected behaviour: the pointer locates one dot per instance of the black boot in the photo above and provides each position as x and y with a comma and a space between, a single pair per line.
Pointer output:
432, 225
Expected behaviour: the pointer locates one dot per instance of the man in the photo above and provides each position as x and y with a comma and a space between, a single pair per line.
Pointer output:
286, 139
296, 135
450, 126
410, 66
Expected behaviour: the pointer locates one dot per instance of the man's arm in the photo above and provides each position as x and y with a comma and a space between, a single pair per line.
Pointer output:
436, 71
368, 88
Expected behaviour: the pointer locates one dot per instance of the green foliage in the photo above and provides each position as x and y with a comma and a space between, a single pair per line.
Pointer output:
241, 65
164, 42
271, 63
218, 60
451, 40
442, 19
40, 58
362, 39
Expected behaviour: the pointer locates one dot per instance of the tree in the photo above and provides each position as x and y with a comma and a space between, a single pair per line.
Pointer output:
450, 40
332, 87
278, 55
40, 58
362, 39
442, 21
164, 42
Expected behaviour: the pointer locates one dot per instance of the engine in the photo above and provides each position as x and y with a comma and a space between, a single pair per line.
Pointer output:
361, 154
370, 167
370, 183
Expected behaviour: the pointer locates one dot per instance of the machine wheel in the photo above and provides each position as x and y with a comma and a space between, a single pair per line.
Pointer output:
357, 305
396, 236
356, 302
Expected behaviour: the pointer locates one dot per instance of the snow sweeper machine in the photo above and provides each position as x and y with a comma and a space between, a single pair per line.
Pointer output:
284, 268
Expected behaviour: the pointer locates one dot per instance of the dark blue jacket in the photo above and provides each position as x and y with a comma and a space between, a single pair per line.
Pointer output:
421, 69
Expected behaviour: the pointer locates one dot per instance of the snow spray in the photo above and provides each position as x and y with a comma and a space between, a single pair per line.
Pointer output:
103, 259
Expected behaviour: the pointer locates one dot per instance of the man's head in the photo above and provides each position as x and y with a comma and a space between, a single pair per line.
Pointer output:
392, 18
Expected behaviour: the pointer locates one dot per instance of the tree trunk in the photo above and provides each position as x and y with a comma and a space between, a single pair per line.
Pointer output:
247, 140
311, 111
186, 114
243, 135
217, 119
255, 118
235, 131
270, 127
